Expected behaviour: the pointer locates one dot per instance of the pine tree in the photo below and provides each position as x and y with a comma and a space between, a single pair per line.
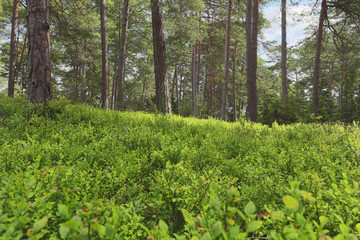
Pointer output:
39, 70
160, 67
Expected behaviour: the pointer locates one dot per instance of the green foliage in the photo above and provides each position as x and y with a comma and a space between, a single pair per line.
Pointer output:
78, 172
222, 219
272, 111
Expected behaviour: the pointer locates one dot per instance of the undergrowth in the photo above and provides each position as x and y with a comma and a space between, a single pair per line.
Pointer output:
78, 172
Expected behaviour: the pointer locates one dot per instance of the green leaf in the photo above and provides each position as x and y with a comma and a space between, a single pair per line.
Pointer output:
213, 188
163, 227
290, 232
351, 237
207, 236
291, 203
252, 226
216, 229
300, 218
195, 238
323, 220
187, 216
339, 237
72, 223
249, 208
358, 227
99, 228
40, 224
344, 229
307, 195
64, 231
109, 231
231, 193
63, 211
234, 231
182, 237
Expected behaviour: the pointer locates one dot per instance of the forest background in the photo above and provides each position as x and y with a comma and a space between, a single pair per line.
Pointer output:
207, 58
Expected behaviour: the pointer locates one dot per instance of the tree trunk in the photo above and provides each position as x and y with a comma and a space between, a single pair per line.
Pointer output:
19, 64
77, 73
181, 88
226, 65
162, 93
194, 80
39, 69
252, 17
177, 95
114, 89
234, 81
205, 95
341, 93
83, 74
317, 58
105, 61
196, 71
174, 82
120, 79
284, 96
14, 24
241, 101
198, 66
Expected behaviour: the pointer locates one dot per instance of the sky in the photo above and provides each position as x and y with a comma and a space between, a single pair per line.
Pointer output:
298, 18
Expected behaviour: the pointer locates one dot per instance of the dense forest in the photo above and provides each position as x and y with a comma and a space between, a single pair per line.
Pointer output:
193, 58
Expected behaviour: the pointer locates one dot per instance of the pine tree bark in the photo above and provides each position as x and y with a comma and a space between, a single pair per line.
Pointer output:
120, 79
177, 93
105, 61
205, 80
180, 89
114, 89
224, 93
174, 82
14, 24
252, 18
234, 81
317, 58
331, 79
284, 96
196, 72
162, 98
194, 80
19, 64
39, 69
83, 74
241, 101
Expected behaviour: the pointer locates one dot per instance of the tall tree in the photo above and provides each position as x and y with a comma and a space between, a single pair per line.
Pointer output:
162, 93
83, 73
234, 81
252, 20
120, 76
196, 66
226, 65
39, 71
194, 81
284, 95
105, 61
317, 58
14, 25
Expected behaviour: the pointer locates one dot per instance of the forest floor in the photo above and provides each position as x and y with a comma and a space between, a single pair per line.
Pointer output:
79, 172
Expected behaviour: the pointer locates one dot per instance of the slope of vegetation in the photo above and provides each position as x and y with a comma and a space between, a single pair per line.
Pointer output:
78, 172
